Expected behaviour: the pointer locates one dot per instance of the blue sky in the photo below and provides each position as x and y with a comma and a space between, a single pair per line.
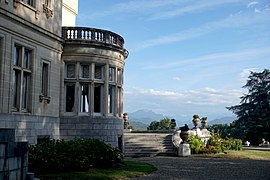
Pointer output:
185, 56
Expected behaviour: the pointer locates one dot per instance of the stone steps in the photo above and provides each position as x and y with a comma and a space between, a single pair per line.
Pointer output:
148, 144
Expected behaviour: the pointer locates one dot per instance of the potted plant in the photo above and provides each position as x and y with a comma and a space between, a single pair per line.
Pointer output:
184, 133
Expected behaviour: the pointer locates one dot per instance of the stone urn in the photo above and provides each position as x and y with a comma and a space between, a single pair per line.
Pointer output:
196, 121
184, 136
126, 123
184, 133
204, 122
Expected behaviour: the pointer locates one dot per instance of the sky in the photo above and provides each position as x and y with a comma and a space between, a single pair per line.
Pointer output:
186, 57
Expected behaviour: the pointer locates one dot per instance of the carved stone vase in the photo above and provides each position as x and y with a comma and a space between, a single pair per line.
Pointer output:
184, 136
196, 122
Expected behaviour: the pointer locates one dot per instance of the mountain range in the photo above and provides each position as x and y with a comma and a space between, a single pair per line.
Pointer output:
141, 119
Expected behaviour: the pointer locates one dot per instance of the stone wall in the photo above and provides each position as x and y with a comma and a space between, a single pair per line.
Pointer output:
29, 128
109, 130
13, 156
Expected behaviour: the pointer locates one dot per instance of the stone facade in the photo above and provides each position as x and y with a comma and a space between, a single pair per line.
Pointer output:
13, 156
58, 82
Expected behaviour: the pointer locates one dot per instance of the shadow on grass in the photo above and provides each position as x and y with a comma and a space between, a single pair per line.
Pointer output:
130, 170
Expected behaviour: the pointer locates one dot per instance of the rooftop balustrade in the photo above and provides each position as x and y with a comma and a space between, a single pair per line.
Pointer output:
92, 35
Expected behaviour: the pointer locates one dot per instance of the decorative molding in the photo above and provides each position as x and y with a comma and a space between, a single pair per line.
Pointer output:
46, 99
47, 11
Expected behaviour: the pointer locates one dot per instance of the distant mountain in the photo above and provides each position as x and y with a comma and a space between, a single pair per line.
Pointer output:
223, 120
145, 116
138, 126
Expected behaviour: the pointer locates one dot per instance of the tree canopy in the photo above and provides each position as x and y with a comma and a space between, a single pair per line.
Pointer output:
163, 124
253, 112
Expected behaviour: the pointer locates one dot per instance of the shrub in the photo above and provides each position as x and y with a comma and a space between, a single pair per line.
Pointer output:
195, 143
78, 154
224, 144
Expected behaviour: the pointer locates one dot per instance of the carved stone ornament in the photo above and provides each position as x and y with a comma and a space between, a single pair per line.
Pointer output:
47, 11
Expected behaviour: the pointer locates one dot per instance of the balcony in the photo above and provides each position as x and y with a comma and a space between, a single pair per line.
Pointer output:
92, 36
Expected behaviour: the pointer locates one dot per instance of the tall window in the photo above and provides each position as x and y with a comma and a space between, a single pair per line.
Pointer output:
45, 79
84, 100
31, 2
21, 79
97, 98
111, 74
111, 99
70, 97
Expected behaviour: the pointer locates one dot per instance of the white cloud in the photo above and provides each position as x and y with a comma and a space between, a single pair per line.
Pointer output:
176, 78
197, 6
237, 56
245, 73
233, 21
252, 4
207, 101
201, 96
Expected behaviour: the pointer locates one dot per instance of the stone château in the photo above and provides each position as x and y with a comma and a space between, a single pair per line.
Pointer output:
59, 82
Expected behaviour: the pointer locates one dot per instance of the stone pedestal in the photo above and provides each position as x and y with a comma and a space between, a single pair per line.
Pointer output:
184, 150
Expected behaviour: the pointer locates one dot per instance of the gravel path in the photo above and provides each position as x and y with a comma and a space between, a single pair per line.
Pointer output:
206, 168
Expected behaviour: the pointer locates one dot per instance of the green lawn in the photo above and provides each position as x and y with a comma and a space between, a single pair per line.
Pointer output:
132, 169
245, 154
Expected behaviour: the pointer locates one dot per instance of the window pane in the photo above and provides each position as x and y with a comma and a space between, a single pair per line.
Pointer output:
111, 99
119, 93
26, 59
84, 101
85, 71
70, 71
17, 53
119, 76
70, 93
111, 74
97, 98
15, 89
45, 79
25, 90
98, 72
30, 2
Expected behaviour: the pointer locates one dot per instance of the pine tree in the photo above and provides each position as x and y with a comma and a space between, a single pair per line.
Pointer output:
253, 112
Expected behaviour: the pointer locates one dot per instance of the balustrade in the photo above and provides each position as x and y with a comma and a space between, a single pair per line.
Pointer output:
92, 35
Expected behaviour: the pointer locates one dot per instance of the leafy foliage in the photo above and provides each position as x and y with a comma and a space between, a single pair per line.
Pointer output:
254, 110
215, 144
163, 124
78, 154
195, 143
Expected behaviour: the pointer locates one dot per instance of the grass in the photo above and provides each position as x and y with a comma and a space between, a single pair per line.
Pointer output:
132, 169
245, 154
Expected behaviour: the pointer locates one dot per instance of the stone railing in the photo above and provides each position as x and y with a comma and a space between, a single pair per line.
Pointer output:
92, 35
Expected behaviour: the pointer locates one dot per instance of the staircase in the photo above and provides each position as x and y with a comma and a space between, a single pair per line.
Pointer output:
148, 144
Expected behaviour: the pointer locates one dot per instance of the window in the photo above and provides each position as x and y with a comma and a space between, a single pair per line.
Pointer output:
97, 98
70, 97
111, 74
21, 79
45, 79
31, 2
85, 71
70, 71
84, 100
111, 99
119, 76
98, 72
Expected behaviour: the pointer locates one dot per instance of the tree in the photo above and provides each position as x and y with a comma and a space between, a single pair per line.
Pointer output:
163, 124
253, 112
